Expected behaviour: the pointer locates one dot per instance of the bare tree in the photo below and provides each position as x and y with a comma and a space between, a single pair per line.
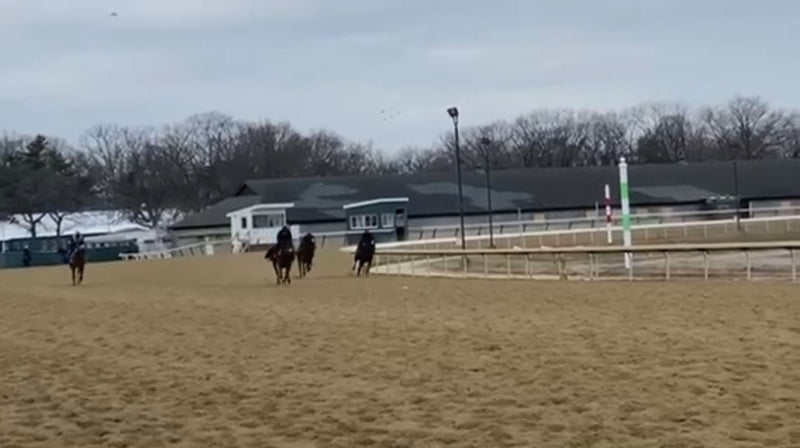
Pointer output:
475, 153
549, 138
665, 134
418, 160
212, 137
746, 129
609, 138
791, 143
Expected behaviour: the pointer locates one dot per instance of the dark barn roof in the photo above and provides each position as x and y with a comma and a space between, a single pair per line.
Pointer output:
436, 194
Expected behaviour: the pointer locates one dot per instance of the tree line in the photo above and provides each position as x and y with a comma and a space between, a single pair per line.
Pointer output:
154, 175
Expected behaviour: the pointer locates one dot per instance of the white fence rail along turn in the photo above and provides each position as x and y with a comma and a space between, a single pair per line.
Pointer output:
744, 260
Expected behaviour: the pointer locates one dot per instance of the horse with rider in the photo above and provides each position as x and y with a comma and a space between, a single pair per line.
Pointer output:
282, 255
305, 253
365, 251
76, 256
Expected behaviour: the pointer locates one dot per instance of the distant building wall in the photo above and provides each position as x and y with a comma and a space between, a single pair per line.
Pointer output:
193, 236
186, 237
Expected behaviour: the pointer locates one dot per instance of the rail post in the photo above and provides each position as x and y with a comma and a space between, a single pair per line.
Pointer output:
555, 263
630, 269
667, 265
749, 264
485, 265
528, 265
794, 265
591, 266
508, 265
705, 265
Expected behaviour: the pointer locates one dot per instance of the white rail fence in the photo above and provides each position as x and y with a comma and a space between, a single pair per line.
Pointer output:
720, 230
704, 261
193, 250
503, 229
769, 228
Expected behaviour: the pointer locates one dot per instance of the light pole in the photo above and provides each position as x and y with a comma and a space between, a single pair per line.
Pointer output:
453, 112
487, 145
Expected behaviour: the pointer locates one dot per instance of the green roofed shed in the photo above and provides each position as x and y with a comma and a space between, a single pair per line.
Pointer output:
385, 218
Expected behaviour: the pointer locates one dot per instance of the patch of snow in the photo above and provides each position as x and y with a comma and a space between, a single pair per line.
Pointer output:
86, 223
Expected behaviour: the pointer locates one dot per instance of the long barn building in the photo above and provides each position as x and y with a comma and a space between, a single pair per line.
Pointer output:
326, 204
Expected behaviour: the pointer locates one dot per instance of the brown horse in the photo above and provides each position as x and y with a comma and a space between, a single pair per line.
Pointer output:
282, 259
305, 254
77, 262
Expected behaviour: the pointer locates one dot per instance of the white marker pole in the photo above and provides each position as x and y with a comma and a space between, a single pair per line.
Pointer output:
626, 209
608, 214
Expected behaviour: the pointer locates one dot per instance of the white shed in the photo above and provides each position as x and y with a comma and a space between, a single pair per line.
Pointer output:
260, 223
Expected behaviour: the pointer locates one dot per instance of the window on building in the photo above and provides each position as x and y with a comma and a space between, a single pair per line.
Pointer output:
244, 222
361, 222
268, 220
387, 220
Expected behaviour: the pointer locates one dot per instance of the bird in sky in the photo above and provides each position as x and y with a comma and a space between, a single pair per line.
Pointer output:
389, 115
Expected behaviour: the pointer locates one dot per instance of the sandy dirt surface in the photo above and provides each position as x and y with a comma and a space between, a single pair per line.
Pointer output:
209, 353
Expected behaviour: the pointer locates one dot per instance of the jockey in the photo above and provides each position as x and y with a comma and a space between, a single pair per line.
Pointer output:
366, 239
75, 243
284, 237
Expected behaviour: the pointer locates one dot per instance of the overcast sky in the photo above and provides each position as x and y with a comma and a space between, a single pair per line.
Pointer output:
68, 64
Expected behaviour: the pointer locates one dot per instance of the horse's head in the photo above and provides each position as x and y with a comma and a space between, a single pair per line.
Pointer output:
271, 253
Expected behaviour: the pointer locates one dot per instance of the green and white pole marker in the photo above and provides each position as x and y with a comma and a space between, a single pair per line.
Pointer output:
626, 209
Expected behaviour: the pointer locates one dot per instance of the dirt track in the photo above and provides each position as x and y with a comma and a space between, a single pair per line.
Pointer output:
206, 352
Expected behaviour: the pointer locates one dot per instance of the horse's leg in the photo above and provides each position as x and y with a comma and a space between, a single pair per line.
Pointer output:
72, 270
82, 269
277, 271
